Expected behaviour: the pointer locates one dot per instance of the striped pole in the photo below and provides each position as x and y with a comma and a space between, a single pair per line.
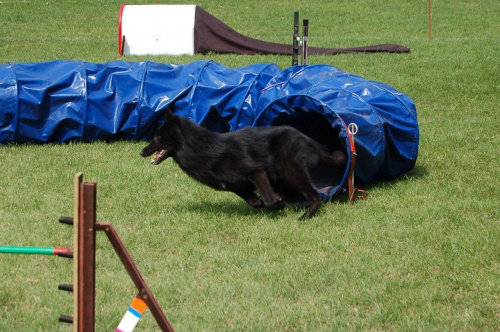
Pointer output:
305, 35
132, 316
36, 250
296, 38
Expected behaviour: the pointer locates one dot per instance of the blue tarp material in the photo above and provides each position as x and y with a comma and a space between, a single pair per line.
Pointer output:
62, 101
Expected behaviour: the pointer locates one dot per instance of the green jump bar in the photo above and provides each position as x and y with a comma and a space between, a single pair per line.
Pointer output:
34, 250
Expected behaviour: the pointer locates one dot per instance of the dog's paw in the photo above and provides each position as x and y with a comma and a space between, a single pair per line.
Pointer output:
256, 203
278, 205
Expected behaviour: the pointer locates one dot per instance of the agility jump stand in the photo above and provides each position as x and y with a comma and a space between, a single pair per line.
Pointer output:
83, 254
299, 42
85, 228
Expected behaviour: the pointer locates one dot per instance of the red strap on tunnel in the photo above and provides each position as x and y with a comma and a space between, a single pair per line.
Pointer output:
350, 175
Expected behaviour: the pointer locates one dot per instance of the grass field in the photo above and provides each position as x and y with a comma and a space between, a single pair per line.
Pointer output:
421, 253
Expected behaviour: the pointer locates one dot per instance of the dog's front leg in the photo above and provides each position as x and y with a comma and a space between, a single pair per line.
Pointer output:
248, 194
271, 200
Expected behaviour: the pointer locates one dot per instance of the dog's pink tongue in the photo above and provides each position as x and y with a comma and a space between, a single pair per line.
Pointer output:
158, 154
155, 159
158, 157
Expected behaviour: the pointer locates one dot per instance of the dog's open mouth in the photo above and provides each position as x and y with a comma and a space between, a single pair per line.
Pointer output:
160, 156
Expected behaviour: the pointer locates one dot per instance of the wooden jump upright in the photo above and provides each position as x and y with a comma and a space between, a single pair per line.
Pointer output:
83, 254
85, 227
84, 219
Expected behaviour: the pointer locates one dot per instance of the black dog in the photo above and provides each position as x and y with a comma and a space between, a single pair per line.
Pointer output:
275, 161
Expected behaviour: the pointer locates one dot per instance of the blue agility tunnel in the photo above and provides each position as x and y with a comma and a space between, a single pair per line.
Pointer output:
61, 101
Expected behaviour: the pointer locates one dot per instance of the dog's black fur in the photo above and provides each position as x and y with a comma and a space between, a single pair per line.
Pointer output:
275, 161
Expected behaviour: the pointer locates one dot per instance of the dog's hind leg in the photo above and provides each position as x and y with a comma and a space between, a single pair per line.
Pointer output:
314, 202
299, 180
271, 200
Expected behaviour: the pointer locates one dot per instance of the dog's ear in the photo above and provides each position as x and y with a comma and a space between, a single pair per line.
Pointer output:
168, 113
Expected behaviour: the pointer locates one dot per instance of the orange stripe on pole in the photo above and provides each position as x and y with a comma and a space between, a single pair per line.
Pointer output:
138, 305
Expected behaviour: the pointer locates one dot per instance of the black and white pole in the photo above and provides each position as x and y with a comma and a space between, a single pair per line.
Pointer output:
296, 39
305, 34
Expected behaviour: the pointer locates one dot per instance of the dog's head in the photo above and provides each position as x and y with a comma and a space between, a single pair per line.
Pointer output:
165, 140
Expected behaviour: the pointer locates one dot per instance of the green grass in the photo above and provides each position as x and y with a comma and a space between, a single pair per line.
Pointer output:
420, 253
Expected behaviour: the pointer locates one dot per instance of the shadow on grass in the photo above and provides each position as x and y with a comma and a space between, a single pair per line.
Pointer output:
242, 209
418, 172
231, 208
